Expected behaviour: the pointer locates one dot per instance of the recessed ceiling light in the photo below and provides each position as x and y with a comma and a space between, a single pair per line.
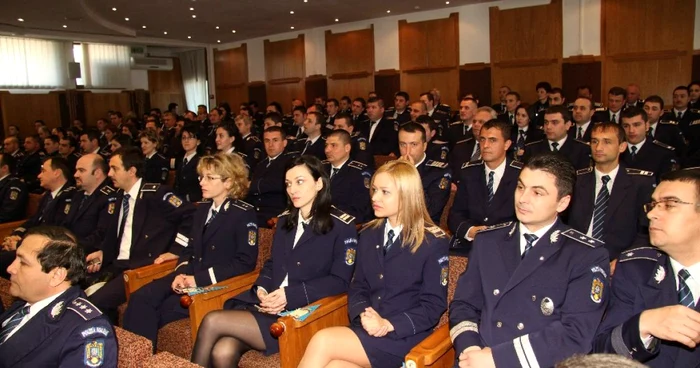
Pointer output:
217, 27
336, 19
194, 16
126, 19
20, 19
189, 37
447, 3
306, 1
218, 41
165, 33
65, 26
144, 27
234, 31
388, 11
292, 27
191, 9
114, 9
291, 12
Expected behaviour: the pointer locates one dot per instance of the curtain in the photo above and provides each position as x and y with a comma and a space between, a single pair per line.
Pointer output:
106, 66
194, 78
34, 63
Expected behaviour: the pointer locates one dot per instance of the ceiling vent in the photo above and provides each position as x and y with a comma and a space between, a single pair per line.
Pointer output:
151, 63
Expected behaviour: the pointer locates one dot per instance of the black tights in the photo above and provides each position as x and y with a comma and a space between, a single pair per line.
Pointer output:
224, 336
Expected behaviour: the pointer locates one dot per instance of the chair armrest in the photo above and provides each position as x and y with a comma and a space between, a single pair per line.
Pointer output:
435, 350
7, 228
333, 311
214, 300
137, 278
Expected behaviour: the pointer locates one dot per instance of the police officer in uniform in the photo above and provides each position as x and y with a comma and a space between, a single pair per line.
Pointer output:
381, 131
157, 166
512, 103
252, 145
440, 117
186, 178
533, 283
642, 152
608, 198
94, 204
52, 324
485, 193
361, 150
223, 244
151, 226
267, 190
435, 175
557, 124
666, 131
469, 149
654, 313
359, 118
462, 129
582, 113
680, 112
400, 112
13, 192
11, 147
616, 100
30, 167
349, 179
437, 150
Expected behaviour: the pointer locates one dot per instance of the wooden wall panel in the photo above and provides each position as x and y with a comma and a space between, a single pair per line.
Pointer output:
350, 63
166, 87
582, 72
285, 68
696, 67
315, 86
658, 57
475, 79
23, 109
386, 83
97, 105
522, 55
257, 92
429, 57
231, 75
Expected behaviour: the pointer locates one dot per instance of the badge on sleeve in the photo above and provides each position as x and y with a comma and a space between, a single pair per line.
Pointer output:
597, 290
443, 183
173, 200
350, 256
443, 155
110, 208
95, 353
444, 263
14, 194
67, 208
363, 145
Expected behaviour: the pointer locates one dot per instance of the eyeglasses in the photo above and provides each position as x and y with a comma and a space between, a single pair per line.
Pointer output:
666, 205
209, 178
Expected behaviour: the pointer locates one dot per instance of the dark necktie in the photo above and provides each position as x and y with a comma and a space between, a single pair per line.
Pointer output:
685, 296
185, 161
512, 119
82, 202
521, 139
13, 323
614, 118
125, 213
489, 186
634, 152
269, 162
555, 146
308, 144
601, 205
651, 132
529, 240
477, 153
580, 133
211, 219
389, 241
680, 116
334, 172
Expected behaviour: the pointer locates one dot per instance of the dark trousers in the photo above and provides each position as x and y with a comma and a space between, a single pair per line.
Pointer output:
113, 294
152, 307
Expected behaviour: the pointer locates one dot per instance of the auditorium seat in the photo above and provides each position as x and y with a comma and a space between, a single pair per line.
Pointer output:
380, 160
5, 297
167, 360
133, 349
446, 211
32, 207
170, 181
436, 349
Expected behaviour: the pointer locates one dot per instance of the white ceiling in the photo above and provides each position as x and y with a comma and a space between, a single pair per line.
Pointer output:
96, 19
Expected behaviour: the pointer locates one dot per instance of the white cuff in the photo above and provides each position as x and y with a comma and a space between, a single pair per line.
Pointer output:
466, 235
182, 240
212, 276
181, 264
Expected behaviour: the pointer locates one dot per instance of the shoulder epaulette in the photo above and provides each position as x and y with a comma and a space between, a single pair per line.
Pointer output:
68, 189
664, 145
464, 140
583, 238
472, 163
601, 109
285, 213
535, 142
587, 170
582, 142
695, 110
245, 206
161, 156
437, 231
107, 190
41, 153
357, 165
254, 138
631, 171
646, 253
458, 122
150, 187
324, 162
695, 122
342, 216
240, 154
438, 164
669, 122
517, 164
83, 308
496, 227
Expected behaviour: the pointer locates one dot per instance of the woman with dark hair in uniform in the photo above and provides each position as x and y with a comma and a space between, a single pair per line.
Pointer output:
309, 261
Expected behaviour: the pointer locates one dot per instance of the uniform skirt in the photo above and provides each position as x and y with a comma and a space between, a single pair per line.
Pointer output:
385, 352
263, 320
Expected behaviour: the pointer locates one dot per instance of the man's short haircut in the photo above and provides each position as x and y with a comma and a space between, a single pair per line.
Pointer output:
616, 128
15, 126
14, 140
346, 99
320, 119
204, 106
681, 88
590, 102
123, 140
634, 111
119, 114
53, 137
557, 90
275, 117
169, 113
488, 109
655, 99
617, 91
513, 93
92, 135
61, 250
6, 159
131, 157
412, 127
544, 85
402, 94
582, 87
302, 109
253, 103
693, 83
346, 117
378, 100
277, 106
40, 122
599, 361
470, 99
60, 163
71, 141
35, 138
361, 101
690, 176
342, 135
429, 95
277, 129
559, 166
425, 119
559, 109
333, 101
504, 127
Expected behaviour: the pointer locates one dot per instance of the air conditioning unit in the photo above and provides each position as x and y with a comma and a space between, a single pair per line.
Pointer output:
151, 63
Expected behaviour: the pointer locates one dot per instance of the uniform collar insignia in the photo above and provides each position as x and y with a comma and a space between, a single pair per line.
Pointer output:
57, 310
554, 237
660, 274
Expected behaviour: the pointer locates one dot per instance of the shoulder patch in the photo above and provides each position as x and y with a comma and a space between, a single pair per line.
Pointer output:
516, 164
174, 200
535, 142
496, 227
285, 213
646, 253
583, 238
357, 165
437, 231
245, 206
673, 122
342, 216
587, 170
631, 171
150, 187
438, 164
84, 309
472, 163
325, 162
107, 190
664, 145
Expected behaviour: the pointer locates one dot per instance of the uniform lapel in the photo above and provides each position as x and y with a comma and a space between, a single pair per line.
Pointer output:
503, 193
510, 250
140, 216
660, 289
619, 191
588, 195
217, 221
395, 249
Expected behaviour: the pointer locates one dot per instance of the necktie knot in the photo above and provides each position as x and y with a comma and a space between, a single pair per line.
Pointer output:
185, 161
634, 150
684, 274
580, 133
334, 172
127, 197
605, 179
389, 240
555, 146
529, 241
522, 133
